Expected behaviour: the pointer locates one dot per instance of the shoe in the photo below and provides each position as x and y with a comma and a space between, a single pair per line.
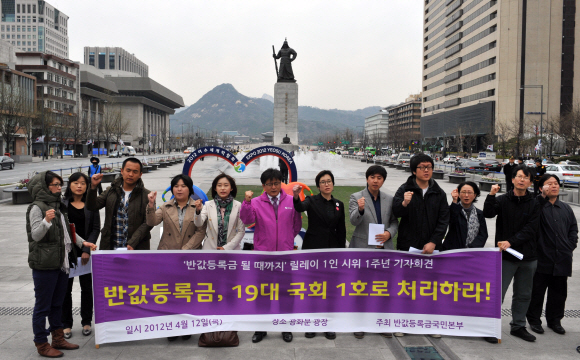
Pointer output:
47, 351
387, 335
491, 340
67, 334
87, 331
258, 336
399, 334
330, 335
523, 334
186, 337
172, 338
537, 329
359, 335
558, 329
287, 336
309, 335
435, 336
58, 341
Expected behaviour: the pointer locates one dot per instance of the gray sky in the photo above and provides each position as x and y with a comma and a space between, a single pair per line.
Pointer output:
351, 53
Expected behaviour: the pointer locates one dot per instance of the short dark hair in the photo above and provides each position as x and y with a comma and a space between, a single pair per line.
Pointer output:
68, 195
375, 170
420, 158
270, 174
50, 176
546, 177
473, 185
321, 174
214, 193
523, 168
133, 160
186, 180
93, 159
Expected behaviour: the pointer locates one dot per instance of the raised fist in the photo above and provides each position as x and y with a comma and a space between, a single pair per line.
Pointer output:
152, 196
297, 189
407, 198
50, 214
96, 180
455, 195
249, 195
361, 203
494, 189
198, 205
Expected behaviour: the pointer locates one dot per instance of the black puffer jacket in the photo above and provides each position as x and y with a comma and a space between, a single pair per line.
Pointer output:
425, 218
518, 219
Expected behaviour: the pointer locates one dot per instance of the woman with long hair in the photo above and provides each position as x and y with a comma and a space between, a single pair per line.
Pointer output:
88, 225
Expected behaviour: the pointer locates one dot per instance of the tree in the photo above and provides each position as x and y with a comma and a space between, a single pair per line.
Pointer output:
15, 105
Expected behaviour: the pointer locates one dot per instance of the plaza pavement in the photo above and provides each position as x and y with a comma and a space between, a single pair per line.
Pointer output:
17, 291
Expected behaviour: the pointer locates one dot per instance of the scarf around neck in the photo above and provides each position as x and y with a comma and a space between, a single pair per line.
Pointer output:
472, 223
224, 209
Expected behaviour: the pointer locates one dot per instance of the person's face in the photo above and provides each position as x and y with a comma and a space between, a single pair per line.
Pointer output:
375, 181
554, 187
180, 191
131, 173
325, 185
521, 181
538, 164
512, 161
467, 195
223, 188
424, 171
272, 187
55, 186
79, 186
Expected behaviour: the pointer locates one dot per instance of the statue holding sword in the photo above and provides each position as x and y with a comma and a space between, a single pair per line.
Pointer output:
286, 56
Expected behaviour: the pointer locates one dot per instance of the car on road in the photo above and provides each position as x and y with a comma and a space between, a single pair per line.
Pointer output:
468, 164
449, 159
404, 158
492, 165
567, 162
564, 172
6, 162
530, 163
114, 154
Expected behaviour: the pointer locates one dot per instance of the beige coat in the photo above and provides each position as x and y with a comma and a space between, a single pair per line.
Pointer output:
189, 238
236, 228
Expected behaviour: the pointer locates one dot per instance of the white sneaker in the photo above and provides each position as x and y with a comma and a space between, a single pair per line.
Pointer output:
399, 334
436, 336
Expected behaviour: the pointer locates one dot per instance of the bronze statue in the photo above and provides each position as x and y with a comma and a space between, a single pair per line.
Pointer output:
286, 56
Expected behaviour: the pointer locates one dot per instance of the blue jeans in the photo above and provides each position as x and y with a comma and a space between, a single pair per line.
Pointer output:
49, 290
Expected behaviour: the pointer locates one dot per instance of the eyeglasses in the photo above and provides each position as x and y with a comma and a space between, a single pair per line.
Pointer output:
467, 193
325, 182
521, 177
425, 168
56, 185
273, 184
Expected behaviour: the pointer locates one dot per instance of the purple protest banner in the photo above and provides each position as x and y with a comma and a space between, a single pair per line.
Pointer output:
153, 294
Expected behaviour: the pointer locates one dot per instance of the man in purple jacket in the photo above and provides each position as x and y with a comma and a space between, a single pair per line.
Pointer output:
277, 223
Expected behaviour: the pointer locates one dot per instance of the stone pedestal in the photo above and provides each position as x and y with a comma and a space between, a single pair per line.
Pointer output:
286, 114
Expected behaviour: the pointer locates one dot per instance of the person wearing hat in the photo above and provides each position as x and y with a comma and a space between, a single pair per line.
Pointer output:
507, 170
539, 171
95, 168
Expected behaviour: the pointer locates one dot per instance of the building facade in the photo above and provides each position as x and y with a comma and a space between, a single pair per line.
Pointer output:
405, 124
115, 58
486, 65
35, 26
377, 129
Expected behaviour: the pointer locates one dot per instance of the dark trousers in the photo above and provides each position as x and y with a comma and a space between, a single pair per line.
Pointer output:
557, 287
522, 273
537, 189
86, 282
509, 184
49, 291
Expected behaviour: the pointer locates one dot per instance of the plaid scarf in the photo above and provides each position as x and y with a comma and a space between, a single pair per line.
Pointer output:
121, 226
224, 208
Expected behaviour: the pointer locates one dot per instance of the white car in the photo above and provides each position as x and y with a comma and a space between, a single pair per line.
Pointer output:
530, 163
565, 172
450, 159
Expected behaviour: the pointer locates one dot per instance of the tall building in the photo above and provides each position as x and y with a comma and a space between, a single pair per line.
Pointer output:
115, 58
405, 123
486, 65
35, 26
377, 128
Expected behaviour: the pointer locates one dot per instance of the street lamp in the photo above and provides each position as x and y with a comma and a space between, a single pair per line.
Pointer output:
541, 113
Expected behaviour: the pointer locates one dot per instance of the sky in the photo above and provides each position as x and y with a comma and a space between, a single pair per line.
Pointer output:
351, 53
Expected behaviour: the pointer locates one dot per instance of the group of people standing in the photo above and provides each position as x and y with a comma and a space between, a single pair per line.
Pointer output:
542, 228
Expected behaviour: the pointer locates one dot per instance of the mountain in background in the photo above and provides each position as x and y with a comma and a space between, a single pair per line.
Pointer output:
224, 108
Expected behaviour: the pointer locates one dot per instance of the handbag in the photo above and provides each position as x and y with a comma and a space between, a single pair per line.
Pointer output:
219, 339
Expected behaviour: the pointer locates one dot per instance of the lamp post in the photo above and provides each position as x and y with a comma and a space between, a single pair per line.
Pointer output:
541, 87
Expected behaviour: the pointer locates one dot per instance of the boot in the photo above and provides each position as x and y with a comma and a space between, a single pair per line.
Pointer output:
47, 351
58, 341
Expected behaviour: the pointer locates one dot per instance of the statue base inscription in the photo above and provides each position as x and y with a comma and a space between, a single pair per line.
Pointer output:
286, 114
